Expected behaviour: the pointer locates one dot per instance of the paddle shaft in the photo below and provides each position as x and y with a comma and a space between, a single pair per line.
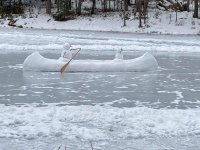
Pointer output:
65, 65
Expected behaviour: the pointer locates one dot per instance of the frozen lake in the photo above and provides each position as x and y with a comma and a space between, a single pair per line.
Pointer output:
173, 89
174, 85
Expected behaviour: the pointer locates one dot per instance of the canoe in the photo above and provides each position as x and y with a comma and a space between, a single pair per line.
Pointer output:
36, 62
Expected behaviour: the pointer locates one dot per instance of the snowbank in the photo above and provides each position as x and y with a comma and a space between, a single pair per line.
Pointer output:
96, 122
159, 22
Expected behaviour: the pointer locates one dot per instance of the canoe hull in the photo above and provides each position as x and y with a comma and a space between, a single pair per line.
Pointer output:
36, 62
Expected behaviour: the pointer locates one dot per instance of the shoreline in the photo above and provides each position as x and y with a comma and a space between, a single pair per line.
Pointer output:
164, 24
103, 31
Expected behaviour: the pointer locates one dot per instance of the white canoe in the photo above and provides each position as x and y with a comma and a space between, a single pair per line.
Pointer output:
36, 62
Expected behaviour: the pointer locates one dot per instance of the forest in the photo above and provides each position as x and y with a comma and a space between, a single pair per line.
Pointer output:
63, 10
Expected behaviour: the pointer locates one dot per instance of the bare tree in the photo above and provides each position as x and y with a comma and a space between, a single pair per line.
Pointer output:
109, 5
140, 13
93, 6
195, 15
70, 5
188, 5
48, 7
105, 5
124, 12
117, 1
145, 5
79, 7
126, 5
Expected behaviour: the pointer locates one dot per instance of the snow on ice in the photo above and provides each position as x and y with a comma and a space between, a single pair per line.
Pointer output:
96, 122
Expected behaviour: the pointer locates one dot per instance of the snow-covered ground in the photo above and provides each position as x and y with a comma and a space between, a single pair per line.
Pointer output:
159, 22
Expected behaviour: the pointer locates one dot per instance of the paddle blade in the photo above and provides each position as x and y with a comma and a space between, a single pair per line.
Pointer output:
64, 67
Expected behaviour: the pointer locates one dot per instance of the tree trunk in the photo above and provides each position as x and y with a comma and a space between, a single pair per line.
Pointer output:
176, 13
105, 6
48, 7
145, 10
79, 7
188, 5
140, 14
126, 5
124, 12
195, 9
109, 5
93, 6
58, 5
70, 5
76, 6
117, 4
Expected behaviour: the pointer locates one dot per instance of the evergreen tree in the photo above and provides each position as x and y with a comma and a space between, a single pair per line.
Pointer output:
64, 7
63, 10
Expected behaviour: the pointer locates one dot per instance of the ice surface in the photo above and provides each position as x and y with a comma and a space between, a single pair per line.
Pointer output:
102, 108
14, 40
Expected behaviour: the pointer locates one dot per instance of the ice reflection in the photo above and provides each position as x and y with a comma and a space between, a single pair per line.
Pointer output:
30, 77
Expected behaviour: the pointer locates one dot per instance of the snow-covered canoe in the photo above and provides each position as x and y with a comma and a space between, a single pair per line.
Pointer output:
36, 62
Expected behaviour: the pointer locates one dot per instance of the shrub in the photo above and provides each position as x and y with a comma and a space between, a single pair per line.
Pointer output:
61, 16
11, 9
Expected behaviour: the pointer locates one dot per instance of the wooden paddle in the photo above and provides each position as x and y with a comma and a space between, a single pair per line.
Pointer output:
65, 65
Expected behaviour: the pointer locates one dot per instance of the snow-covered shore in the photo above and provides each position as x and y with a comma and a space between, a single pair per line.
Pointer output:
159, 22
